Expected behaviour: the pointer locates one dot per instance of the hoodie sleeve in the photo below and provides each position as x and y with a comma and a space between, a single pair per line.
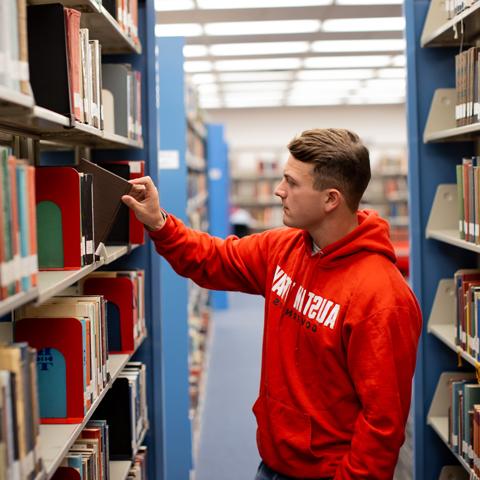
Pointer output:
381, 352
230, 264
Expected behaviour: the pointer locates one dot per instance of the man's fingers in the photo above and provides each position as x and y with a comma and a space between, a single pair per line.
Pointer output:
131, 202
138, 192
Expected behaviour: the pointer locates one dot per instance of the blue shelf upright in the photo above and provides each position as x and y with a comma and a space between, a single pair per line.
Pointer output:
171, 176
218, 192
430, 164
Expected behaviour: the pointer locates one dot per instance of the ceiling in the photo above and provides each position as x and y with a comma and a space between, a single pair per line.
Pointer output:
276, 53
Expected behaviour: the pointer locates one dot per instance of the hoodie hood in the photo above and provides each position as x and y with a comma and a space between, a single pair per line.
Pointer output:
371, 235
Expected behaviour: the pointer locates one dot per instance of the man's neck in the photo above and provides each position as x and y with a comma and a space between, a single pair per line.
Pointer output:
333, 229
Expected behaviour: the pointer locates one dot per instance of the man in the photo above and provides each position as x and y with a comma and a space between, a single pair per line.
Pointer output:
341, 325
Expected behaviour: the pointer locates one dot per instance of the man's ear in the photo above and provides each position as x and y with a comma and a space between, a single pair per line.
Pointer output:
333, 198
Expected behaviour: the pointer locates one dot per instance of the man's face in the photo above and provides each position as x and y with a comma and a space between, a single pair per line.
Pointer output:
303, 206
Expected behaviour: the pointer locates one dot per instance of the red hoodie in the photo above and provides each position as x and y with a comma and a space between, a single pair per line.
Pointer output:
339, 346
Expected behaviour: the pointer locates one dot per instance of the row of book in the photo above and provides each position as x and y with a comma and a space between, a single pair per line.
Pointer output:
195, 143
125, 410
74, 335
467, 299
19, 413
105, 96
258, 189
466, 87
79, 208
14, 72
88, 458
18, 239
138, 471
464, 419
454, 7
125, 12
468, 195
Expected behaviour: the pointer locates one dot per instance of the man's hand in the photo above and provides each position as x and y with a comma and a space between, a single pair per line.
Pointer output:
143, 200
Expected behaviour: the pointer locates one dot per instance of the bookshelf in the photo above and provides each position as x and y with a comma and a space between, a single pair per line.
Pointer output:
21, 118
436, 145
255, 174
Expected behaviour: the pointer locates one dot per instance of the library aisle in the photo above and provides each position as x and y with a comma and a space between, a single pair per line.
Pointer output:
227, 447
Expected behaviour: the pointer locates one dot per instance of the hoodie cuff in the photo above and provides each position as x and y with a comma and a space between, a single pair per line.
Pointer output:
165, 230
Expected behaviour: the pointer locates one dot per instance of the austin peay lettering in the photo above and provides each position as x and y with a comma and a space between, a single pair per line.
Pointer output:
314, 307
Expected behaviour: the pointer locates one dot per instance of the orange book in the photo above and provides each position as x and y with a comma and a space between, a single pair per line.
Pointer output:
33, 223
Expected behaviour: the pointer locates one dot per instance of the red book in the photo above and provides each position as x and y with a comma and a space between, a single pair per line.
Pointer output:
59, 186
72, 22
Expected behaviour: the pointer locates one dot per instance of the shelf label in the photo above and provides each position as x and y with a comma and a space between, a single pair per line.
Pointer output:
168, 160
215, 174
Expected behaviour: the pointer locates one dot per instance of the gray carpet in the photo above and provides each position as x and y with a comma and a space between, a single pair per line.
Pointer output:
226, 448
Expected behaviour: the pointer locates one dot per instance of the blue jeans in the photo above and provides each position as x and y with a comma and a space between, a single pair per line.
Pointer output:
266, 473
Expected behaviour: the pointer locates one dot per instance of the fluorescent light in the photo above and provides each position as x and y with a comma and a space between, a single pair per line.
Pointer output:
254, 76
258, 64
221, 4
195, 51
178, 30
260, 28
348, 61
210, 103
381, 83
254, 87
260, 48
326, 86
201, 78
208, 88
399, 61
380, 24
391, 73
252, 103
304, 101
356, 73
369, 2
174, 5
197, 66
253, 95
370, 45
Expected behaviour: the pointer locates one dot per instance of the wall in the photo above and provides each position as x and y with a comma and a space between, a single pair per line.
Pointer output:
380, 127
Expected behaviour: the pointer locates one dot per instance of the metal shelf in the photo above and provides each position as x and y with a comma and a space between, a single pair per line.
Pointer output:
441, 126
197, 127
119, 469
17, 300
443, 221
196, 164
56, 440
439, 31
102, 26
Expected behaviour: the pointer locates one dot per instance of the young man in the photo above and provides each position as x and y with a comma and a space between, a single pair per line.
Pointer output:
341, 324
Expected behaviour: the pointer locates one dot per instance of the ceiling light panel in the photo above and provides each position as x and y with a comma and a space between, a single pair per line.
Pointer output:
264, 27
348, 61
260, 48
190, 51
380, 24
178, 30
202, 78
207, 88
399, 61
258, 64
341, 74
254, 86
370, 45
327, 85
391, 73
306, 102
221, 4
195, 66
382, 83
254, 76
165, 5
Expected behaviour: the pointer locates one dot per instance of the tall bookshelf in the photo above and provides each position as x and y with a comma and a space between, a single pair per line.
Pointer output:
59, 139
436, 145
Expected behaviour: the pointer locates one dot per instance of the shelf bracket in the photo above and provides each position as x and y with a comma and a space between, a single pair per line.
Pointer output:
442, 113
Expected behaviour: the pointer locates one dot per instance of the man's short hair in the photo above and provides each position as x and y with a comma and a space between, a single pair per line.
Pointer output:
339, 158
